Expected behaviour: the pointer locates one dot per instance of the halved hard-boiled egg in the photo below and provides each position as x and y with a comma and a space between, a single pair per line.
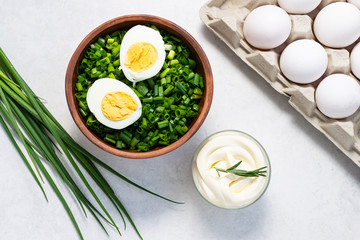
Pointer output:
142, 53
113, 103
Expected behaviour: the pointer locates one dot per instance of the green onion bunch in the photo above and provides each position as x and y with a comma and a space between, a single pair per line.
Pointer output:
170, 99
43, 138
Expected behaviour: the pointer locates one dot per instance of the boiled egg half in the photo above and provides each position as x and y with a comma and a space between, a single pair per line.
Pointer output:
142, 53
113, 103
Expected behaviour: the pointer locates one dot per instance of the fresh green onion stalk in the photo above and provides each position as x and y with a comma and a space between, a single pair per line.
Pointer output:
44, 139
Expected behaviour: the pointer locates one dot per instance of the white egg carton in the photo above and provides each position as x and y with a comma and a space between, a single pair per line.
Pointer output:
226, 17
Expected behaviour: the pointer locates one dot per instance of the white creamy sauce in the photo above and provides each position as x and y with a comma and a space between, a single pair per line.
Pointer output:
223, 150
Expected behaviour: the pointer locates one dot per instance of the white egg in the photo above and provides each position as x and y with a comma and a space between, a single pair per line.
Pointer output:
267, 27
338, 96
337, 25
96, 93
355, 2
299, 6
355, 61
142, 53
303, 61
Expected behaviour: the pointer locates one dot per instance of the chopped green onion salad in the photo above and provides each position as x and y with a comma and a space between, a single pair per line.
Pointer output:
170, 99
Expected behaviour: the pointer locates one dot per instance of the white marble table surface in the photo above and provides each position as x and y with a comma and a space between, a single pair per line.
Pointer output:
314, 192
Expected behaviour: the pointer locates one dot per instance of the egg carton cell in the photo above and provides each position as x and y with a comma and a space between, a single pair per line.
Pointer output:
226, 19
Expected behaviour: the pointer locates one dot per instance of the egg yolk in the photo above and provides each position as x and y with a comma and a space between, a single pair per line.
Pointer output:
117, 106
140, 56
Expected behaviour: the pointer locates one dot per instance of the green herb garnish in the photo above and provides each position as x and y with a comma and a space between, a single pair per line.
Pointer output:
44, 138
243, 173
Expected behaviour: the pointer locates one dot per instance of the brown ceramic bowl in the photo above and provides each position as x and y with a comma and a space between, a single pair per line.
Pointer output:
126, 22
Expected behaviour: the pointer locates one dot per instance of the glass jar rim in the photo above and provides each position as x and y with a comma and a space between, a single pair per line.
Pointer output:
266, 157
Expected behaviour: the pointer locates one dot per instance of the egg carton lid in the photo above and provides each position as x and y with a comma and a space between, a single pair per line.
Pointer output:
226, 17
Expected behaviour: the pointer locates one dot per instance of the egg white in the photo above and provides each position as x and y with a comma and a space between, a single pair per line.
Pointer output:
97, 92
144, 34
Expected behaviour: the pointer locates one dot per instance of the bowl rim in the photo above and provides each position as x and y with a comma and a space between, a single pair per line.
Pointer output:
70, 91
